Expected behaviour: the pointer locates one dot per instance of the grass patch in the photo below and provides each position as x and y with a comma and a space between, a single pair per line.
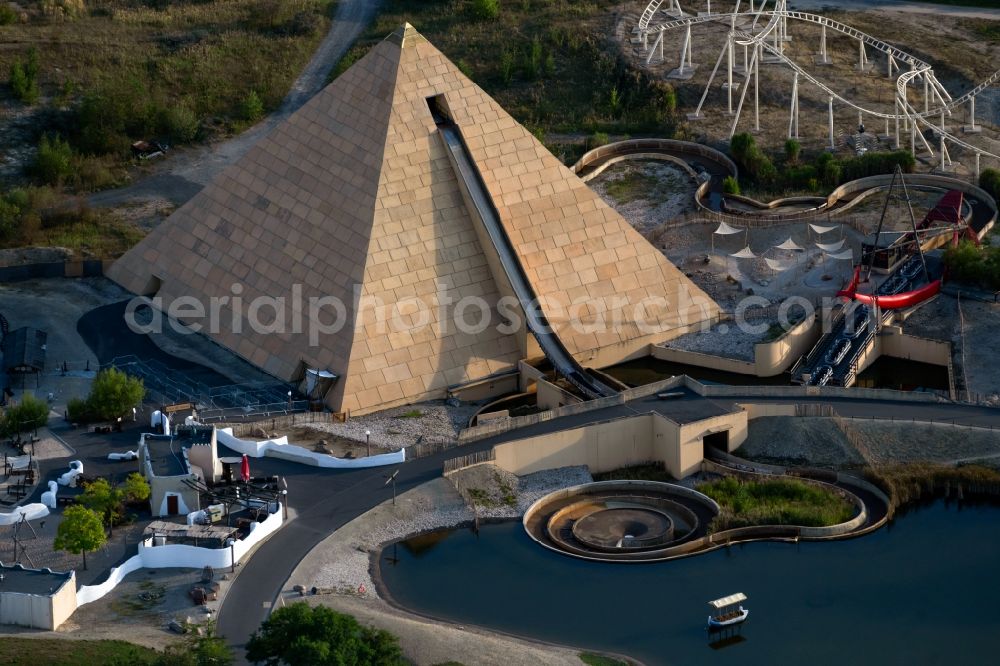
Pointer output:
592, 659
775, 502
647, 472
183, 70
60, 652
547, 63
632, 186
412, 414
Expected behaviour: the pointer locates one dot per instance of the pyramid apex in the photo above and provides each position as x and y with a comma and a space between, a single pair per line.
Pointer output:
406, 35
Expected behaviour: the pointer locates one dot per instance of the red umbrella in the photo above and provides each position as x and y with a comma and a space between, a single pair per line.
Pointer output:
245, 469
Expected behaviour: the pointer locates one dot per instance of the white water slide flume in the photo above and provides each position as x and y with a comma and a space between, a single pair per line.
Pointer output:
762, 33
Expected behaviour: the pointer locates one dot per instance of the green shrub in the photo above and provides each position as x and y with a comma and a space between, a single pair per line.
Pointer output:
506, 66
730, 185
7, 15
78, 411
252, 108
29, 414
180, 124
989, 180
24, 78
792, 150
53, 163
532, 64
876, 163
484, 10
596, 140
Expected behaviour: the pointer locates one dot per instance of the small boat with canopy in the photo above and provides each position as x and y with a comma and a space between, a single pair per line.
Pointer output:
727, 611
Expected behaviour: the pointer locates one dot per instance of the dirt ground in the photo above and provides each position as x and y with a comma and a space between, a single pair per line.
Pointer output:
960, 57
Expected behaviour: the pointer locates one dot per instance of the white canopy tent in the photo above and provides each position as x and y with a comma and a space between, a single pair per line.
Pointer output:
847, 254
831, 247
724, 230
745, 253
779, 266
789, 245
821, 229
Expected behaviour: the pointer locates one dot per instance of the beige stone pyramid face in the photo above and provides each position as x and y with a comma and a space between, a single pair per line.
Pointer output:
353, 197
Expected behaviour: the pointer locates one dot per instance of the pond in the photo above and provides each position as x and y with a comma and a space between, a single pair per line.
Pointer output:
921, 591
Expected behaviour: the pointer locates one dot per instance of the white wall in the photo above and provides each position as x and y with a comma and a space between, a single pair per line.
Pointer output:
182, 556
280, 448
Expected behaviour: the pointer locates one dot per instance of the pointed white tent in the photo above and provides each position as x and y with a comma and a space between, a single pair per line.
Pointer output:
821, 229
847, 254
779, 266
789, 245
745, 253
831, 247
726, 230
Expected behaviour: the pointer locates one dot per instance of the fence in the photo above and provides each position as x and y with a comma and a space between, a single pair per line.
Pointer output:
461, 462
274, 423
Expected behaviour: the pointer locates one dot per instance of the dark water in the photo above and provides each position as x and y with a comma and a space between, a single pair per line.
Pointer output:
901, 374
923, 591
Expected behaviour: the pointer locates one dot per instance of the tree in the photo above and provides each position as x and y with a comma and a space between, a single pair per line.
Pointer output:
80, 531
252, 108
301, 634
113, 394
136, 488
204, 649
102, 499
29, 414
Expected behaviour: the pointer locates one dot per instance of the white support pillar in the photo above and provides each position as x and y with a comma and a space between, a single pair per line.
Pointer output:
896, 144
652, 51
972, 128
913, 139
746, 61
793, 119
927, 95
729, 74
711, 79
684, 50
833, 146
892, 65
756, 88
690, 49
975, 174
709, 6
822, 58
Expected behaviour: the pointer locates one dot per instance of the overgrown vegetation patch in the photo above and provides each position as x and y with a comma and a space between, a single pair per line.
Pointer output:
775, 501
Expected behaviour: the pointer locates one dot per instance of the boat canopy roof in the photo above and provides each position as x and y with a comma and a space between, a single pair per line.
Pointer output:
728, 601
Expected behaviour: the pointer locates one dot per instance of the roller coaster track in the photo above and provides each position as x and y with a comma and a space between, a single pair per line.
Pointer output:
944, 104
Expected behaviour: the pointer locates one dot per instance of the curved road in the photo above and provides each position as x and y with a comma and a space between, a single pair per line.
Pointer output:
324, 501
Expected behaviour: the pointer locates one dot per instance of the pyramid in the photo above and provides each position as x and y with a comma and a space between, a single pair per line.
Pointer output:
353, 198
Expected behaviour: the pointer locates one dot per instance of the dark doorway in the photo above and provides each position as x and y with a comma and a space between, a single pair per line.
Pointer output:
716, 440
172, 505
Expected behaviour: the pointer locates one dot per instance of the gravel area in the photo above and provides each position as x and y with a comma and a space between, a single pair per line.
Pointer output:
505, 495
814, 441
725, 339
646, 192
399, 427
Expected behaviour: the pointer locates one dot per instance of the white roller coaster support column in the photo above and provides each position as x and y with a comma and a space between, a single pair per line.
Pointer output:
892, 65
746, 61
897, 123
652, 51
971, 128
862, 56
756, 88
743, 96
685, 47
697, 112
729, 74
690, 51
913, 139
975, 174
833, 146
927, 95
822, 45
709, 6
793, 120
